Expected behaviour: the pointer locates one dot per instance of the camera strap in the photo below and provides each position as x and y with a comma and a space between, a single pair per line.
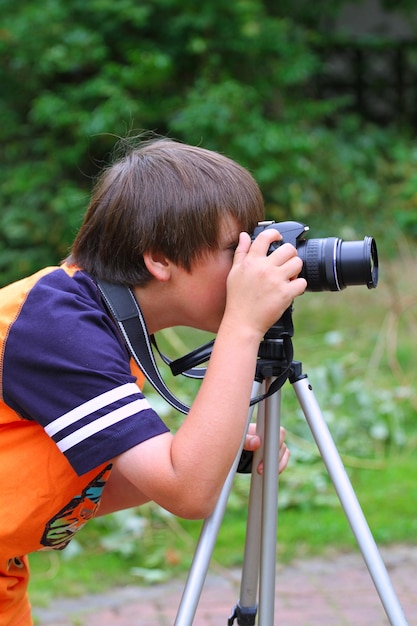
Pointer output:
124, 309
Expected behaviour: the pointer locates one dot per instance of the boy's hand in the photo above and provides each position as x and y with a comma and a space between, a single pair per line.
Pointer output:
253, 442
261, 287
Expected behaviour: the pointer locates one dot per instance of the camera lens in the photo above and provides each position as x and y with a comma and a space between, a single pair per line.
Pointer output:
333, 264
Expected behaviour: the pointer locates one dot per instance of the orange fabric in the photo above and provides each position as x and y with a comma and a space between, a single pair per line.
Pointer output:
40, 488
140, 378
14, 601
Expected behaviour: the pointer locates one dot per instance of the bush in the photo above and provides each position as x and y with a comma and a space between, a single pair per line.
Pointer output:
233, 77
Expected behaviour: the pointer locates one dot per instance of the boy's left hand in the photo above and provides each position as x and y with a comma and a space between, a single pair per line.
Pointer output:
253, 442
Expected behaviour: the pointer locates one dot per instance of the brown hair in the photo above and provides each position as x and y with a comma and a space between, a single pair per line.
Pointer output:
162, 196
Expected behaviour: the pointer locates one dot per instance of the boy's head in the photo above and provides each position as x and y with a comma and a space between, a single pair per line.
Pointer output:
166, 197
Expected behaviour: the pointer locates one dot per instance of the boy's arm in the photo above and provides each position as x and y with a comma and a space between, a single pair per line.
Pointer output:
119, 493
185, 472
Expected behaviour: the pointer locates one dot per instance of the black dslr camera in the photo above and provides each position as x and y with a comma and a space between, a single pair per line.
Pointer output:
329, 264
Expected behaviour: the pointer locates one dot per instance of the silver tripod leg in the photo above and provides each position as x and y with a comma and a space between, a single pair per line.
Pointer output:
206, 543
267, 571
248, 601
261, 534
349, 501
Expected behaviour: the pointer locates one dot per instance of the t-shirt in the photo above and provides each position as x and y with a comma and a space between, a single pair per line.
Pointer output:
69, 403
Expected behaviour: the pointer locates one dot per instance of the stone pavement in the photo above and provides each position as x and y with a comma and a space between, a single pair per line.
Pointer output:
332, 591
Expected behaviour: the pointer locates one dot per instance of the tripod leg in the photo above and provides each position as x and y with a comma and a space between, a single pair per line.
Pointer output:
349, 501
269, 510
261, 535
247, 606
202, 556
206, 544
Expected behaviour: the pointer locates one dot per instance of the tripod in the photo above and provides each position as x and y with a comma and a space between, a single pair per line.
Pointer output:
257, 590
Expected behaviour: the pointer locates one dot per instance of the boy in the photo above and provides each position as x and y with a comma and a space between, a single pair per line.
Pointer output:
77, 436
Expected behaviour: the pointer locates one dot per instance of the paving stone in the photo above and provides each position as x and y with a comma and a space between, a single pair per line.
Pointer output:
332, 591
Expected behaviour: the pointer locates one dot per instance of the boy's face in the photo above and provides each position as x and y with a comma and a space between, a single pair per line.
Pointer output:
204, 288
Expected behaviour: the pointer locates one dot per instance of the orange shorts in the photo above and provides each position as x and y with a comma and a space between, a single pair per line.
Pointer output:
14, 600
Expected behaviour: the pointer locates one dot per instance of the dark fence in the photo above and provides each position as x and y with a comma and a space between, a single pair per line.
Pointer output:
378, 80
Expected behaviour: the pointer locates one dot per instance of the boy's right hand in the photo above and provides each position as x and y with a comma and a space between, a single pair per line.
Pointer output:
260, 287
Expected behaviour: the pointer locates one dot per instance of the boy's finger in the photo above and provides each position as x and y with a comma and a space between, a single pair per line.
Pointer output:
262, 242
243, 245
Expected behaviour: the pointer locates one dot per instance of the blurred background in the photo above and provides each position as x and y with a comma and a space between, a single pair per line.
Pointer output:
319, 101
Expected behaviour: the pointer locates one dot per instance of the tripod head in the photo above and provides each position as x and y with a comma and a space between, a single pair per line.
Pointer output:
273, 347
273, 344
275, 356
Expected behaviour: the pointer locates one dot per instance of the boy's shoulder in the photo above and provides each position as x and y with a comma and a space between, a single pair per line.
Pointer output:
64, 277
47, 288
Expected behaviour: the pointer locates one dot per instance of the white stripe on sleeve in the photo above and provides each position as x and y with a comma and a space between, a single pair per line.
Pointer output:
101, 423
99, 402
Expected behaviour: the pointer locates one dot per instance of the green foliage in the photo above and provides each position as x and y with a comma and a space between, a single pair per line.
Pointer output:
361, 180
231, 76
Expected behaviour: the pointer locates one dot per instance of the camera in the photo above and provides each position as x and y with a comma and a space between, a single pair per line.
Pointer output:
329, 264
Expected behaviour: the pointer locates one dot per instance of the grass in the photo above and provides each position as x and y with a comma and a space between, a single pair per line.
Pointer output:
358, 348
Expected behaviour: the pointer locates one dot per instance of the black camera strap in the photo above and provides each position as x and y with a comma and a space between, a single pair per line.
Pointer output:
185, 364
126, 312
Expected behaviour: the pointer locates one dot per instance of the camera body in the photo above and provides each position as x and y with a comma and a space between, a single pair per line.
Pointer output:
329, 264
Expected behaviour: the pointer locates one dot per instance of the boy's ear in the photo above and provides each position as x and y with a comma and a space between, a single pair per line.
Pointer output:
158, 265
